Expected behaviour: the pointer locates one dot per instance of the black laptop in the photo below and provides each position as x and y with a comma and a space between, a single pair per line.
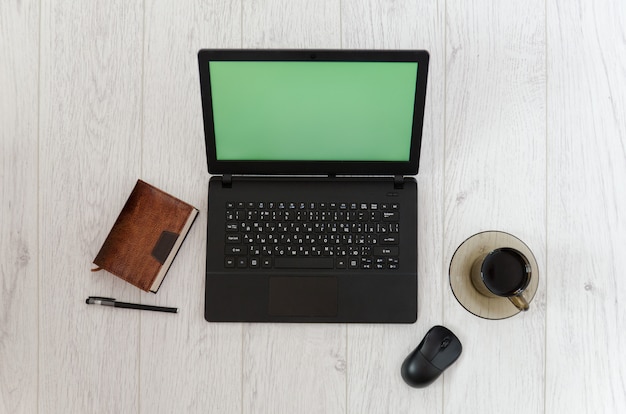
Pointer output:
312, 205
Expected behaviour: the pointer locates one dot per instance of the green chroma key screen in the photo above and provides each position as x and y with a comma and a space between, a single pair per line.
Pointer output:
313, 111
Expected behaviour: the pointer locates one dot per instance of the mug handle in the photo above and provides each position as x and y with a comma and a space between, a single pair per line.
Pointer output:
519, 301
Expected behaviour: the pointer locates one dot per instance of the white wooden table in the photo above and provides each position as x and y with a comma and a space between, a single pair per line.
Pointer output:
525, 132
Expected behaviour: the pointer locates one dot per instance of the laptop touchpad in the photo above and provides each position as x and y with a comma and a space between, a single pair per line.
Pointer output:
303, 296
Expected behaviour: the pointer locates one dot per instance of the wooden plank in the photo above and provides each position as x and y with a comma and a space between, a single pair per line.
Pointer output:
586, 204
291, 24
293, 367
89, 156
19, 83
187, 365
495, 180
376, 352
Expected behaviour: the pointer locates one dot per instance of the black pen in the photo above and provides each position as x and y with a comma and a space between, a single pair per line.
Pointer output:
97, 300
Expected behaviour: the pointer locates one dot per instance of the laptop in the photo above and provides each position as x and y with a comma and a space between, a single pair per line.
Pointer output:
312, 203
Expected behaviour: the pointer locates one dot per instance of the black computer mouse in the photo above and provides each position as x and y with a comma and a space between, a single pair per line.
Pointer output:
437, 351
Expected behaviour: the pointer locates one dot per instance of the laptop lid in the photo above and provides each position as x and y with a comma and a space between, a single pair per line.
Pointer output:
313, 111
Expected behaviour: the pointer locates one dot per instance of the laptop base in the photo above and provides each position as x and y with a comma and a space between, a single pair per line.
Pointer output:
365, 295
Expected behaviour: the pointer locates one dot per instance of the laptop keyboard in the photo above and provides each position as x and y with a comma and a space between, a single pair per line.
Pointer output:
312, 235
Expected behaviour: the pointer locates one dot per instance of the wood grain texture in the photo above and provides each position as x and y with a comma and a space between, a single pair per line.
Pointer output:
376, 352
187, 365
288, 24
495, 180
89, 144
525, 133
586, 203
293, 368
19, 95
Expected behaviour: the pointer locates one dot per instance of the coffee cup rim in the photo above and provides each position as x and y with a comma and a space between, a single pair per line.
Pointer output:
527, 268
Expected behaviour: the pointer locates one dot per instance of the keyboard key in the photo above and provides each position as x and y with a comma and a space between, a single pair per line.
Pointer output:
303, 263
233, 238
254, 251
385, 251
391, 238
235, 250
390, 216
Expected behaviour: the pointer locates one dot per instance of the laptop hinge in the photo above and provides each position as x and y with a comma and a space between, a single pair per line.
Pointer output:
398, 181
227, 180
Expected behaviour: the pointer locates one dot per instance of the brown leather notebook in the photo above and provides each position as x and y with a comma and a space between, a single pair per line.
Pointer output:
146, 237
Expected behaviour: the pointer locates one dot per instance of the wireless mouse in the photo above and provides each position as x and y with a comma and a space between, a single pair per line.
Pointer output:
437, 351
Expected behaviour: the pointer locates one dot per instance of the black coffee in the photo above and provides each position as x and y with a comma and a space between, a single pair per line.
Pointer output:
505, 272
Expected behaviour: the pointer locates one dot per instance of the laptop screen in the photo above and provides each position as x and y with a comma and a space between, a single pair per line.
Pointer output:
313, 111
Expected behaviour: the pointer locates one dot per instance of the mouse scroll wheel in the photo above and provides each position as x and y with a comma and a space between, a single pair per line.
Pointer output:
445, 342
